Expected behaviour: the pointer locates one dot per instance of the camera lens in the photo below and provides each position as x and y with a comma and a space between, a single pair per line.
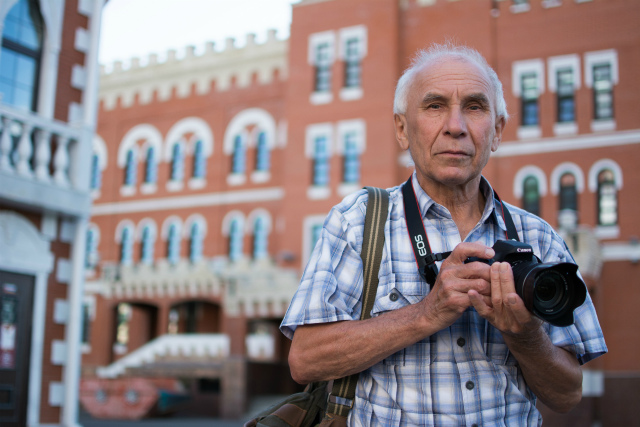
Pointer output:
549, 291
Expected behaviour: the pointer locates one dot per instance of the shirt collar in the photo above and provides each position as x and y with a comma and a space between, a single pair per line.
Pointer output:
426, 203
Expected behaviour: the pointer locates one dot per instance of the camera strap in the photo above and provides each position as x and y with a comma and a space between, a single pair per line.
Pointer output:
426, 259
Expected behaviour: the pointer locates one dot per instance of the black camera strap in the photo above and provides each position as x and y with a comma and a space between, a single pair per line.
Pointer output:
425, 259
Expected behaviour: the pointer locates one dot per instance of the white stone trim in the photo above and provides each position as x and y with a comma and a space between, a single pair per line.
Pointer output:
100, 148
58, 352
49, 226
314, 131
603, 125
259, 213
166, 224
60, 311
63, 271
621, 251
555, 63
518, 68
561, 169
228, 218
350, 93
125, 223
67, 230
608, 56
201, 131
320, 98
598, 167
529, 132
145, 222
78, 77
56, 394
188, 202
24, 250
523, 173
192, 219
82, 40
316, 192
565, 128
603, 232
259, 117
357, 31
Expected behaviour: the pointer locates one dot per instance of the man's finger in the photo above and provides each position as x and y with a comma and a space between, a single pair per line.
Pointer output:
470, 249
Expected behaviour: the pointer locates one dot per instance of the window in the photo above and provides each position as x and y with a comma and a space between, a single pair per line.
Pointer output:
196, 237
566, 97
352, 63
177, 162
96, 173
316, 232
531, 195
262, 153
529, 98
91, 254
199, 161
173, 244
86, 323
20, 55
321, 161
568, 192
151, 167
126, 246
235, 240
602, 92
607, 199
123, 315
323, 62
131, 169
147, 245
260, 242
351, 173
239, 156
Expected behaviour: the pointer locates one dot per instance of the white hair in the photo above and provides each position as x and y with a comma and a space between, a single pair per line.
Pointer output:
436, 52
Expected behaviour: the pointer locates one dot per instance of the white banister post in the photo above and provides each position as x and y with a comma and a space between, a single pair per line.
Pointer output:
5, 145
43, 154
25, 151
61, 161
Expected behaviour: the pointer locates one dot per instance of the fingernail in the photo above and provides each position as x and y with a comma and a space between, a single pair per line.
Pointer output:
504, 267
512, 299
489, 253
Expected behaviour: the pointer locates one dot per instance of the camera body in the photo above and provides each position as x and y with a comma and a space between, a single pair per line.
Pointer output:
551, 291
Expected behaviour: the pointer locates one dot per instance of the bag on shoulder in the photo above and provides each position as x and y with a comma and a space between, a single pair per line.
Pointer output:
315, 406
304, 409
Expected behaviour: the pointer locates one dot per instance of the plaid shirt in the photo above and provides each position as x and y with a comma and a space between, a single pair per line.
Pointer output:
464, 375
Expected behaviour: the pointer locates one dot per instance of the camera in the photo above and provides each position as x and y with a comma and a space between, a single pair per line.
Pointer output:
551, 291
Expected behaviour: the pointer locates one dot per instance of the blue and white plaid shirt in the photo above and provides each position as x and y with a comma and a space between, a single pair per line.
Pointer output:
463, 375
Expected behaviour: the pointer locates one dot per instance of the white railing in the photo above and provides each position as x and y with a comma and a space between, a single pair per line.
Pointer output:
37, 148
187, 345
260, 346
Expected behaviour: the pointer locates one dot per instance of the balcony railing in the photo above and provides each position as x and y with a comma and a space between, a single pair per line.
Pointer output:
44, 162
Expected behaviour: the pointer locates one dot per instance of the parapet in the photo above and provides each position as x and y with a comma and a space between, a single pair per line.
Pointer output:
211, 70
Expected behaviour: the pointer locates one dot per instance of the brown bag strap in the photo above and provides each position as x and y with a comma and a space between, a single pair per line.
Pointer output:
373, 242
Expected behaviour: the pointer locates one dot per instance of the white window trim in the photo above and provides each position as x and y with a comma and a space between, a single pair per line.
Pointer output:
555, 63
194, 219
350, 93
164, 231
314, 131
525, 172
143, 131
547, 4
228, 219
356, 32
358, 126
561, 169
518, 68
598, 167
200, 130
609, 56
319, 98
316, 39
520, 8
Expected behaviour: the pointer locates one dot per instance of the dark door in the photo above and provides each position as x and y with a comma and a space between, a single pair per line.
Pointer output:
16, 304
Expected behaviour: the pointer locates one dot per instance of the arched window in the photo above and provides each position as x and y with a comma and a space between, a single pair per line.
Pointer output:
173, 244
260, 238
151, 166
607, 198
126, 246
177, 162
131, 169
239, 156
20, 56
196, 237
235, 240
263, 161
96, 173
321, 161
531, 195
351, 159
568, 192
147, 245
199, 160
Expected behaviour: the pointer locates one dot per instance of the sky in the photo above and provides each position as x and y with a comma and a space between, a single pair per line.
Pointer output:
133, 28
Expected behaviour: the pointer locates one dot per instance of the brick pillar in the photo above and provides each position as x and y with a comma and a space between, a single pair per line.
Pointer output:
234, 392
163, 319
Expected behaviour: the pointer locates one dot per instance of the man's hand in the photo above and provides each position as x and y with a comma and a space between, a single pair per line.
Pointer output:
506, 311
449, 297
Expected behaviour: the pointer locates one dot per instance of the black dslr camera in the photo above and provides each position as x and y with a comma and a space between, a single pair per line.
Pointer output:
551, 291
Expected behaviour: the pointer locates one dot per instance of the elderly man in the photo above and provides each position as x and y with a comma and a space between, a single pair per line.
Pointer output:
465, 351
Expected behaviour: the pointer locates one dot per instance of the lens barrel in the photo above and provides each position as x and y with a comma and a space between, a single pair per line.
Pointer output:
552, 291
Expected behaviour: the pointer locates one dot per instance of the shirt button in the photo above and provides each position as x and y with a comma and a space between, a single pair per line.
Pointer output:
393, 296
461, 342
474, 425
470, 385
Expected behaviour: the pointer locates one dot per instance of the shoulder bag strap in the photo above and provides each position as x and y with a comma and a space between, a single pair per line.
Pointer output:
373, 242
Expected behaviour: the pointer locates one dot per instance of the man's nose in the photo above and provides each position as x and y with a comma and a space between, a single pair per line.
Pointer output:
455, 124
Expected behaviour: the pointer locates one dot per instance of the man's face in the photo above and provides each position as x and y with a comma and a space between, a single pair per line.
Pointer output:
450, 126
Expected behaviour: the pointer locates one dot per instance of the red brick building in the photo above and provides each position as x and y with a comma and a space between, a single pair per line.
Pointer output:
216, 171
48, 107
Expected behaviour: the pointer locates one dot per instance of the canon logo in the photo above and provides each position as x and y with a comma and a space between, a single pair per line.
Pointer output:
523, 250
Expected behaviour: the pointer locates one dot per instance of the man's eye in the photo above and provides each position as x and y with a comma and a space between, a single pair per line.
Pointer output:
434, 106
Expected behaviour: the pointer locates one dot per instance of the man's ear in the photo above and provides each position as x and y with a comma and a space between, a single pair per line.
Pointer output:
400, 122
497, 137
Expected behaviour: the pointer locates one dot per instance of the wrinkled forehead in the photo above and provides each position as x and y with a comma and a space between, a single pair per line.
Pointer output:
457, 70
